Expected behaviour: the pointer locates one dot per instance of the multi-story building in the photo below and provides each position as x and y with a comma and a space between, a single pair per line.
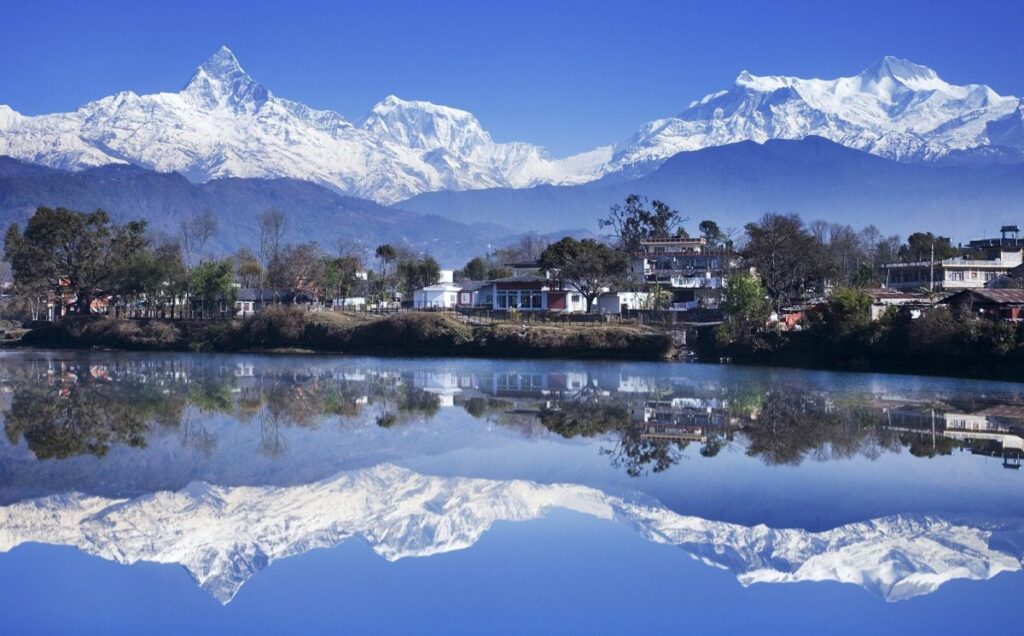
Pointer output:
983, 261
693, 271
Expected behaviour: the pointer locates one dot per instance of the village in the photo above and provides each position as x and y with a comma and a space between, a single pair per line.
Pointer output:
780, 274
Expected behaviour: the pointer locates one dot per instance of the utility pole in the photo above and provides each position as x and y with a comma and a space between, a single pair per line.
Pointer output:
931, 270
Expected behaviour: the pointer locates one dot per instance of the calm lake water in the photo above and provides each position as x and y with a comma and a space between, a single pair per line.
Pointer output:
167, 494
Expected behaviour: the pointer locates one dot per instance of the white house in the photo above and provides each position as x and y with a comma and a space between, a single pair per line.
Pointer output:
615, 302
440, 296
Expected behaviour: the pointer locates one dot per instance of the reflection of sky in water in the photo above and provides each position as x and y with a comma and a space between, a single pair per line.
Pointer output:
262, 421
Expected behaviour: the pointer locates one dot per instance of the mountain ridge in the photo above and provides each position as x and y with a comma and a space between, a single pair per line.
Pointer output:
224, 123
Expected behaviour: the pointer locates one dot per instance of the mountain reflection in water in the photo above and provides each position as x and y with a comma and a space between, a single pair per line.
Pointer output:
223, 536
223, 464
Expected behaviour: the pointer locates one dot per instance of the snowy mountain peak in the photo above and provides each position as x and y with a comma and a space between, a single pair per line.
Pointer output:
894, 108
897, 69
221, 81
426, 126
226, 124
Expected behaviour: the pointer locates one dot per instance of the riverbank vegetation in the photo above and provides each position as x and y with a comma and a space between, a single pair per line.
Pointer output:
412, 333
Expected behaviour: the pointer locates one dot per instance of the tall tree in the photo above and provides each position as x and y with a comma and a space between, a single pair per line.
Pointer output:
633, 222
745, 306
272, 224
83, 255
248, 271
711, 232
212, 283
789, 260
341, 275
417, 272
920, 246
196, 232
302, 268
587, 266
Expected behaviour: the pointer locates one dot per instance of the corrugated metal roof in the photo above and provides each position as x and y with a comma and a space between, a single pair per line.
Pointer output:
999, 296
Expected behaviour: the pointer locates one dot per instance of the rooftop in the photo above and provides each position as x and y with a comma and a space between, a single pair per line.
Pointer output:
524, 278
998, 296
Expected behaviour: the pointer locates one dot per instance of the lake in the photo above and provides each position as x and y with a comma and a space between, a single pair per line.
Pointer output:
174, 493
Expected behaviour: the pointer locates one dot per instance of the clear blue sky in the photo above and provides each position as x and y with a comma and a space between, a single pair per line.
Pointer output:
567, 75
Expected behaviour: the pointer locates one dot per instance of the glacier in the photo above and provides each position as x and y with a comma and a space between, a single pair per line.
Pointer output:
224, 535
223, 123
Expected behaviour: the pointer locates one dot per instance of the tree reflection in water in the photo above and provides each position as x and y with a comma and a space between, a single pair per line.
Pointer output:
64, 408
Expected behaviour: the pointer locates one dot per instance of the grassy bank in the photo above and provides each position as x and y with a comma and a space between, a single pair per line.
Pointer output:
402, 334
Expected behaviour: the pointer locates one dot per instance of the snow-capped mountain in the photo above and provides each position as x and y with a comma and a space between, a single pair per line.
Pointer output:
894, 108
224, 535
225, 124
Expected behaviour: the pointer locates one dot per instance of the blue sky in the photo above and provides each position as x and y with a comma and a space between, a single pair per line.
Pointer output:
567, 75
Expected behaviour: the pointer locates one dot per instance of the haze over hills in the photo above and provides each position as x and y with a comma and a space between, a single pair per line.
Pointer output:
737, 183
314, 213
224, 123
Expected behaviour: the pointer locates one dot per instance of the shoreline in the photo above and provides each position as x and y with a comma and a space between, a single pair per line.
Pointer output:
290, 331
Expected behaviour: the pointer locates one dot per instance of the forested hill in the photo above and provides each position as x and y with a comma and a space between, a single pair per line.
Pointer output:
314, 213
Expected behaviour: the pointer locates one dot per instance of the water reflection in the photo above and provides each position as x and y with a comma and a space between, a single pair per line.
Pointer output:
224, 464
65, 407
224, 535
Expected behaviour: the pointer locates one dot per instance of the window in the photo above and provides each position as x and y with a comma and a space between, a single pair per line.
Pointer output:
576, 299
502, 300
955, 276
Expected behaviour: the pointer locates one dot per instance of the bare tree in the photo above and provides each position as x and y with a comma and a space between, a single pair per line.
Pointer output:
302, 267
196, 232
273, 225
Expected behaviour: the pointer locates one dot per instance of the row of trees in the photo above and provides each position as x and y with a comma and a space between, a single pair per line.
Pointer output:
77, 259
83, 257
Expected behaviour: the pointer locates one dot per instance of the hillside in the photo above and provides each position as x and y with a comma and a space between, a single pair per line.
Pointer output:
736, 183
165, 199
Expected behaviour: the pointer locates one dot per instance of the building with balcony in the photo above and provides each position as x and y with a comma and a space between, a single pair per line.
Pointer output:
691, 269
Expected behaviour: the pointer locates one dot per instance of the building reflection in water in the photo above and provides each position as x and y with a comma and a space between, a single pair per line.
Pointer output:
66, 407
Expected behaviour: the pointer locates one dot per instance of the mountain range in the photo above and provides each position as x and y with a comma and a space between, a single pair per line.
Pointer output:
223, 123
224, 535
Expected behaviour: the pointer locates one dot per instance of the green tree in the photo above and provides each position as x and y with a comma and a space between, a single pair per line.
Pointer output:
745, 306
475, 269
83, 254
919, 247
711, 232
587, 266
212, 284
849, 309
341, 275
418, 272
